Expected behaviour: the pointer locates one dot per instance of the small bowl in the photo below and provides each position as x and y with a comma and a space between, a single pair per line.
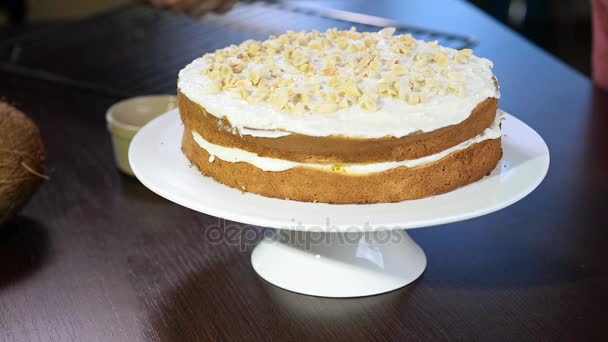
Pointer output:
126, 117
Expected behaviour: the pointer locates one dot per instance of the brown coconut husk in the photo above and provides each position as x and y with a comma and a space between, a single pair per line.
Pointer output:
22, 168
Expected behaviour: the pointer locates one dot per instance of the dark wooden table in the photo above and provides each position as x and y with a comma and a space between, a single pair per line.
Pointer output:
97, 257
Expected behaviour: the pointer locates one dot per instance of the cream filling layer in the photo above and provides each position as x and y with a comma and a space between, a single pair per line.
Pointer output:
262, 133
235, 155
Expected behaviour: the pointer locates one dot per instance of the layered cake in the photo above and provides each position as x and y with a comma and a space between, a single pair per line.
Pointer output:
341, 117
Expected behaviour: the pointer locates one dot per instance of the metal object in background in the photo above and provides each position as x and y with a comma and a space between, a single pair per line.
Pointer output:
285, 16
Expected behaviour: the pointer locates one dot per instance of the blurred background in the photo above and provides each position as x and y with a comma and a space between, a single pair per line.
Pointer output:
561, 27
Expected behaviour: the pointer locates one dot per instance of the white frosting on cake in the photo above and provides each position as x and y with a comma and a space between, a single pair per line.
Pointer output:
392, 117
234, 155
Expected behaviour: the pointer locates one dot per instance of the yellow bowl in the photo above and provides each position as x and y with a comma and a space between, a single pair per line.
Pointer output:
126, 117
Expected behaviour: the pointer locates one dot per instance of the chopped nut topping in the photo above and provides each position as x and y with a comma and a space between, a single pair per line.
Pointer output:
463, 55
398, 69
366, 102
351, 89
413, 99
225, 71
279, 99
441, 59
254, 77
387, 31
326, 108
326, 72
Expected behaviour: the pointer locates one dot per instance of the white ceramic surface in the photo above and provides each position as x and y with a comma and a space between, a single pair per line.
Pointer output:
358, 264
339, 264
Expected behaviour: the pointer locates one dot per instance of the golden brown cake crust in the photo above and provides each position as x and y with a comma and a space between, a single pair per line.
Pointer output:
337, 149
310, 185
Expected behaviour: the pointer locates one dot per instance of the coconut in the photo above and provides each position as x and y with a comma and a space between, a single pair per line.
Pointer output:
21, 160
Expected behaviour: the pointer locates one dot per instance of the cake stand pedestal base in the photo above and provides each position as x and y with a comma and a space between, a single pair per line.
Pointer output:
351, 264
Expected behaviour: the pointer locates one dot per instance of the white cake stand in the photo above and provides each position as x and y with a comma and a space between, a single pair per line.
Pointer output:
336, 250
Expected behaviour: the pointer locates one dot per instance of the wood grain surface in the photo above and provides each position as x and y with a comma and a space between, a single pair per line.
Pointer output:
96, 256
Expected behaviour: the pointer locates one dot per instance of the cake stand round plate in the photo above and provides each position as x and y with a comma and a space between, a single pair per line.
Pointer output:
336, 250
